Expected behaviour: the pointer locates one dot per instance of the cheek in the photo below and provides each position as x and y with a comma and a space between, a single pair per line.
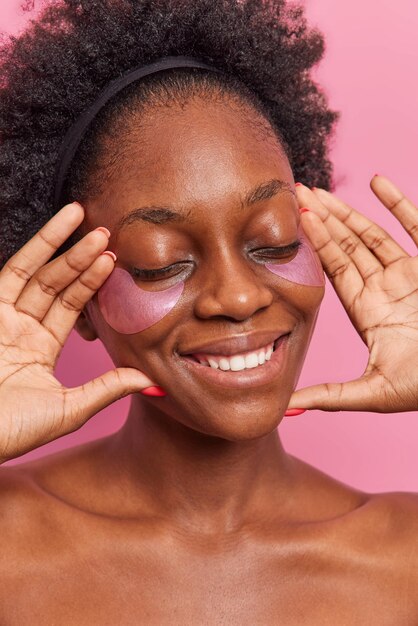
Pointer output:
129, 309
305, 269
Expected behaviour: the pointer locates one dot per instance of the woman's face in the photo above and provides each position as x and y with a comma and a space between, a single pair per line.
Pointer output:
207, 192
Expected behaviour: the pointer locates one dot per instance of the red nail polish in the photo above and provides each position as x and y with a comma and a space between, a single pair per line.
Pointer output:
298, 184
156, 392
294, 412
303, 210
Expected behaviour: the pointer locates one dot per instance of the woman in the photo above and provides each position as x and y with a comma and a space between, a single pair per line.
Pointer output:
180, 129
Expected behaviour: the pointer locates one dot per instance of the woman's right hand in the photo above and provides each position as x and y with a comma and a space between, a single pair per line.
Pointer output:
39, 304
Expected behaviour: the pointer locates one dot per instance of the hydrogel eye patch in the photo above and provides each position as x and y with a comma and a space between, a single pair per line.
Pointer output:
305, 269
128, 309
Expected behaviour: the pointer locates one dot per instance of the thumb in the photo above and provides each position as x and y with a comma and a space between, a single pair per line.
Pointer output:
86, 400
355, 395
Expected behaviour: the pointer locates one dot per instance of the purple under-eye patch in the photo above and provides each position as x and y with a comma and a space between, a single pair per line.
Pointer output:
305, 269
129, 309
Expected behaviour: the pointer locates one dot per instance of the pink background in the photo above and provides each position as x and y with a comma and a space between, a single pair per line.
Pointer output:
369, 74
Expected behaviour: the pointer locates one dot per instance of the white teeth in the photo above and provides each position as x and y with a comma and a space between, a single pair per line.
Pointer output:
238, 362
251, 360
224, 365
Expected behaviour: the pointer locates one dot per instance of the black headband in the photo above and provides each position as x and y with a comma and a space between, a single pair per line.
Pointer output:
77, 131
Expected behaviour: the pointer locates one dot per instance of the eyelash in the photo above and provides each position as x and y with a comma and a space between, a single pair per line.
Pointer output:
155, 274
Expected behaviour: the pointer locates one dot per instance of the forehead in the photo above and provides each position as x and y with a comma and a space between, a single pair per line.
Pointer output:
206, 154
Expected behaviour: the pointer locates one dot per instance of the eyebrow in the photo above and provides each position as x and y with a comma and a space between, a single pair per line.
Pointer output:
163, 215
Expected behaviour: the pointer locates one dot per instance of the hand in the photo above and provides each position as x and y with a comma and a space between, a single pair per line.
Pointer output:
39, 304
377, 283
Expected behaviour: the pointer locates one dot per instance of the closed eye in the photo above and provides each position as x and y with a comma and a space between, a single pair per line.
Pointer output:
280, 252
260, 254
160, 273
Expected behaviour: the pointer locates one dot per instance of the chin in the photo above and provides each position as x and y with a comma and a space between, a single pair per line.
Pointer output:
234, 421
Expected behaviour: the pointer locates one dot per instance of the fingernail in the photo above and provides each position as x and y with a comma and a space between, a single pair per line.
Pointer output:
104, 230
110, 253
298, 184
376, 174
303, 210
294, 412
155, 391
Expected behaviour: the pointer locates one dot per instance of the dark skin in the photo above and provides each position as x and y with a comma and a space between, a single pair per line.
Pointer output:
193, 513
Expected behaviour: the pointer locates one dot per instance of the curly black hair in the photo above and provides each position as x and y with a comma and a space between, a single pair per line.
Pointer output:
53, 70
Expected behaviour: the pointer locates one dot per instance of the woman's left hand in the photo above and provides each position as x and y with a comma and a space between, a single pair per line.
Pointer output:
377, 283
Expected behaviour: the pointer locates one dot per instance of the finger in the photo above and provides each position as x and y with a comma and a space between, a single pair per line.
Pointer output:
398, 204
42, 289
85, 401
378, 241
19, 269
66, 308
366, 263
338, 266
356, 395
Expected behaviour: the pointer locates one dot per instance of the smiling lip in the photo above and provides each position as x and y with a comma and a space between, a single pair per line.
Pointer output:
262, 375
236, 345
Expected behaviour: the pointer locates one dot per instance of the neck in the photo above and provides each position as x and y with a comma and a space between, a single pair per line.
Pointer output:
197, 480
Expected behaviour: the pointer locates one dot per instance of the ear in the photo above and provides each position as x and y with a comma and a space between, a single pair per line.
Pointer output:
85, 327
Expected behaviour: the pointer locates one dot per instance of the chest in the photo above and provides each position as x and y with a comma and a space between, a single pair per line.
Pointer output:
211, 587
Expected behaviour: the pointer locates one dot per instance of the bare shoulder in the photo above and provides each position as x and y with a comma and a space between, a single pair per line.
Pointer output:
30, 491
19, 496
35, 514
387, 523
23, 519
57, 486
390, 524
397, 513
22, 491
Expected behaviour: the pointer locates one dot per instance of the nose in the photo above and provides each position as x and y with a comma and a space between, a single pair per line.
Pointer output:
231, 289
